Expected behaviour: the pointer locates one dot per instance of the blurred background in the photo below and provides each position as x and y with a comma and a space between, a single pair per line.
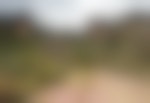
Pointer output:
74, 51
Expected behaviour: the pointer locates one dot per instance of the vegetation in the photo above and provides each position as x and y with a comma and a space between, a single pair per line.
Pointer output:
28, 61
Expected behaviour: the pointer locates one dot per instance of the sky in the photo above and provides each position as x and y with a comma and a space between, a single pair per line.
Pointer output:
73, 14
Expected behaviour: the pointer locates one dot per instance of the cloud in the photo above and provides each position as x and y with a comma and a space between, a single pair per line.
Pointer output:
69, 14
75, 13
